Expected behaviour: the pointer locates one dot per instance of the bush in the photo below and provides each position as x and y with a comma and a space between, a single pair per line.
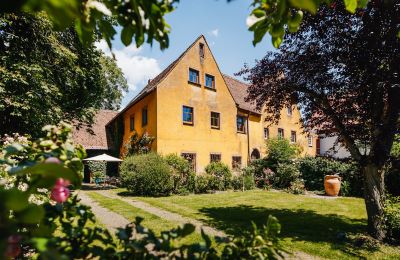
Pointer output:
314, 169
245, 180
297, 187
147, 175
392, 217
182, 174
280, 151
221, 176
286, 173
202, 183
97, 166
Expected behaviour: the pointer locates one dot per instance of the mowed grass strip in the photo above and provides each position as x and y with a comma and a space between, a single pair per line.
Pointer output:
130, 212
311, 225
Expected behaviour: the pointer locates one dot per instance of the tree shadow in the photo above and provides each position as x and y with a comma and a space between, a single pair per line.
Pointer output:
296, 224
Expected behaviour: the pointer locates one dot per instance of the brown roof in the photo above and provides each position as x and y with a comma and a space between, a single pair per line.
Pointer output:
95, 137
238, 90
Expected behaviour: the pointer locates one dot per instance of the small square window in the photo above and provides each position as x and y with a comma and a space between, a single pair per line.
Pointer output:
215, 120
144, 116
215, 157
132, 123
194, 76
241, 124
281, 133
289, 111
187, 115
293, 136
236, 162
266, 133
191, 158
210, 81
310, 141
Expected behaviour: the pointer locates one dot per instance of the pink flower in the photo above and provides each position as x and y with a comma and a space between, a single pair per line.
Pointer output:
52, 160
60, 192
13, 248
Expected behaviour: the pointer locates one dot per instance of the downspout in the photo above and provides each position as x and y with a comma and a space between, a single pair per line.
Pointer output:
248, 138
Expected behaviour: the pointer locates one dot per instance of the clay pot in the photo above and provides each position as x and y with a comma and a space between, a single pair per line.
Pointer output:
332, 185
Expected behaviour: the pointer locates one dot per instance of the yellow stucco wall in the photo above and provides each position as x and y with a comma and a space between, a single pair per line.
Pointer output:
149, 101
172, 136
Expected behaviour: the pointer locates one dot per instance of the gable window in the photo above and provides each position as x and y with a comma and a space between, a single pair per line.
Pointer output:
266, 133
310, 141
293, 136
289, 111
281, 133
201, 50
236, 162
241, 124
144, 116
215, 157
132, 123
187, 115
210, 81
194, 76
191, 158
215, 120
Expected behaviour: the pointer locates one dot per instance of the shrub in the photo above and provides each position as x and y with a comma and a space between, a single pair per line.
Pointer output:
245, 180
297, 187
221, 175
97, 166
139, 144
182, 174
392, 217
147, 175
202, 183
280, 151
314, 169
286, 173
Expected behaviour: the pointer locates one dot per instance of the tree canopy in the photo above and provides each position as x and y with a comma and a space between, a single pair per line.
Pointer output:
343, 71
47, 76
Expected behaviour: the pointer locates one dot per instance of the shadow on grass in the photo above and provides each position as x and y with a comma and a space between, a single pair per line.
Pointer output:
298, 225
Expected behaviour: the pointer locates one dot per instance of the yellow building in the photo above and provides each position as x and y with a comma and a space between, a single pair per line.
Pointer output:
194, 110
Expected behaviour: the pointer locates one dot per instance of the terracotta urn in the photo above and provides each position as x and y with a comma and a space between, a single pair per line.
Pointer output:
332, 185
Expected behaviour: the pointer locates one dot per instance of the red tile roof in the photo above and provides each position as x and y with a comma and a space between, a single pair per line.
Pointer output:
238, 90
95, 137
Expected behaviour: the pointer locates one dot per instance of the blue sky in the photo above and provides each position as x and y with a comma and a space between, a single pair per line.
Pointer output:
224, 26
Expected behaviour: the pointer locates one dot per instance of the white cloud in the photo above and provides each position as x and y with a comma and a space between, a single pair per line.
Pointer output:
137, 69
215, 32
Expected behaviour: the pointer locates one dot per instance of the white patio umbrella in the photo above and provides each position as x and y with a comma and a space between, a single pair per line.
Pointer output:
103, 157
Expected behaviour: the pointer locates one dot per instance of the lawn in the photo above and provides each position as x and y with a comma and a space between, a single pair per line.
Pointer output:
310, 225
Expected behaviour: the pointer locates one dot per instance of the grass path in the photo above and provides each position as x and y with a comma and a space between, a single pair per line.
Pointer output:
164, 214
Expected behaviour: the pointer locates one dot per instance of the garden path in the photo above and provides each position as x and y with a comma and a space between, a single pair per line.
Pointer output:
173, 217
109, 218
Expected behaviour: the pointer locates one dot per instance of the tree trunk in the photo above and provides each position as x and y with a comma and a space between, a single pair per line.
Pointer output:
374, 195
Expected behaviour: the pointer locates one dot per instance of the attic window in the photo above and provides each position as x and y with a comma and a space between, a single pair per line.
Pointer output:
201, 50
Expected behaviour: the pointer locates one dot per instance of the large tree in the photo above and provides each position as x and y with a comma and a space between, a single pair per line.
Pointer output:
47, 76
343, 71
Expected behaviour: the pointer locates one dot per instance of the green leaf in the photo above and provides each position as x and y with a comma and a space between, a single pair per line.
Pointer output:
258, 13
16, 200
363, 3
276, 41
50, 172
127, 34
12, 149
309, 5
351, 5
295, 21
40, 243
33, 214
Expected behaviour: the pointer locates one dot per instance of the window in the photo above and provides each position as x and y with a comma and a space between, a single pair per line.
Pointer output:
310, 141
236, 162
215, 157
289, 111
194, 76
215, 120
293, 136
187, 115
210, 81
191, 158
241, 124
266, 133
201, 50
281, 133
132, 123
144, 116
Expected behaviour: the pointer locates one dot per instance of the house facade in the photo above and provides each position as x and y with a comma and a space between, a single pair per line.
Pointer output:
195, 111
